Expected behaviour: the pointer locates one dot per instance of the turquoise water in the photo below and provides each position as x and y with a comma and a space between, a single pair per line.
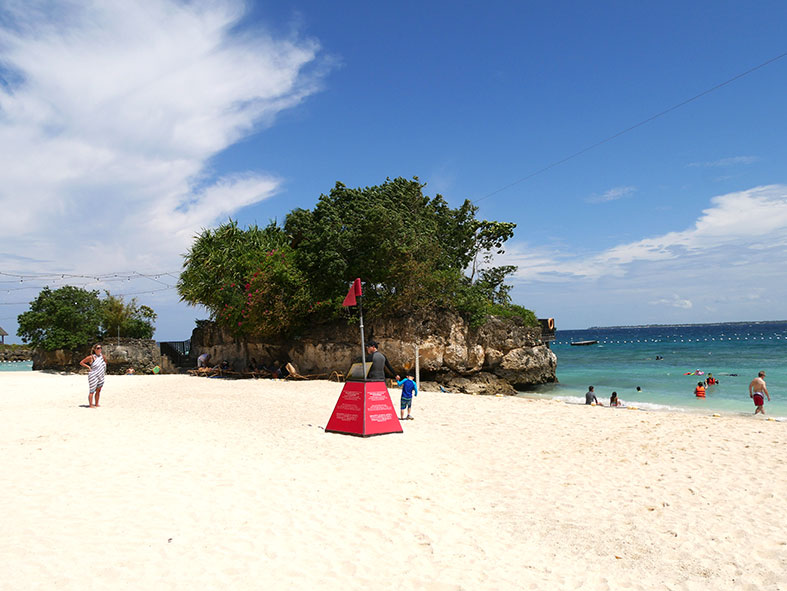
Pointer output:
16, 365
625, 358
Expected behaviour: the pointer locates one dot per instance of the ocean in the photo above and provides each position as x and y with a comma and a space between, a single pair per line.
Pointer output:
16, 365
626, 357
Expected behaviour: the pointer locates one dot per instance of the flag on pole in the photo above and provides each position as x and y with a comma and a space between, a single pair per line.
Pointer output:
355, 291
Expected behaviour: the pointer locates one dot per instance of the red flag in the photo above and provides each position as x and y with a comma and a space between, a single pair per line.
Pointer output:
355, 290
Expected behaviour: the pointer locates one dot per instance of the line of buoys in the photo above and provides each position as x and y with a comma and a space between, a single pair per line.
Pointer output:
682, 340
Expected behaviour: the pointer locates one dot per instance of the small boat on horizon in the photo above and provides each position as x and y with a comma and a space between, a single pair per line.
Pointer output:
583, 343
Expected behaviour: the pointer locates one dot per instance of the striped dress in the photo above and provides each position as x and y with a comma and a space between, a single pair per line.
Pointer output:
98, 370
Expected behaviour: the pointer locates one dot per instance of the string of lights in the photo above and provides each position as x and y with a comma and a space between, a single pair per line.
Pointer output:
38, 281
120, 275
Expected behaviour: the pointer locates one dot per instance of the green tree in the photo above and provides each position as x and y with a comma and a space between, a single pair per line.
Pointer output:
127, 319
275, 300
66, 318
413, 253
221, 259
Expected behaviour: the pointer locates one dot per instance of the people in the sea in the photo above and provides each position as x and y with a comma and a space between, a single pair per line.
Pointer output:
409, 389
590, 396
639, 390
659, 358
203, 360
613, 400
379, 363
757, 392
710, 380
699, 391
97, 364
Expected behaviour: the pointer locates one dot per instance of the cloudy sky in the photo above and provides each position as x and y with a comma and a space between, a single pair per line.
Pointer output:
126, 128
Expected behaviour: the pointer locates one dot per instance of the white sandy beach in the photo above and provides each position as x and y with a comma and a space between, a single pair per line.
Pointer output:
180, 482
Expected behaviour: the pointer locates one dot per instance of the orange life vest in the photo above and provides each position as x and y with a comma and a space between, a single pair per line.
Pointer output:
699, 392
711, 381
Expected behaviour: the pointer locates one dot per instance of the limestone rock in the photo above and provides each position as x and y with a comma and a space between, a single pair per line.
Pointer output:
497, 357
481, 383
15, 354
142, 355
524, 366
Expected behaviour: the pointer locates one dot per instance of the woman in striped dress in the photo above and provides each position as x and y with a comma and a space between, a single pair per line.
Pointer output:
97, 364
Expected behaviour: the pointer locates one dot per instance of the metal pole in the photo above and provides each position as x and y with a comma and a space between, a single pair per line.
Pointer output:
417, 368
363, 344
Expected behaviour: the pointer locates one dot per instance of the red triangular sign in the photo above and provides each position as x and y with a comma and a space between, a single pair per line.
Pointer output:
364, 408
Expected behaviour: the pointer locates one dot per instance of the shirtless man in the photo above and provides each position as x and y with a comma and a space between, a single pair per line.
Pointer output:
757, 389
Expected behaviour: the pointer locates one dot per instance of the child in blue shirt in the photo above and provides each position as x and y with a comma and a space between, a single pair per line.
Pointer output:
409, 389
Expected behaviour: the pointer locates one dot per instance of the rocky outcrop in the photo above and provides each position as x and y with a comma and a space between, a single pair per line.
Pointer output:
141, 355
500, 356
9, 353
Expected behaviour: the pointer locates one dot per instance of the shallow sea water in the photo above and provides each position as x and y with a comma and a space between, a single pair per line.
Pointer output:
16, 365
626, 357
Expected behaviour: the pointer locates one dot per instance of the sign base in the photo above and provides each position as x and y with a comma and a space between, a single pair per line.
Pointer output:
364, 409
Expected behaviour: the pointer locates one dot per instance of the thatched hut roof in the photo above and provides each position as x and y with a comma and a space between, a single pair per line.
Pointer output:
2, 332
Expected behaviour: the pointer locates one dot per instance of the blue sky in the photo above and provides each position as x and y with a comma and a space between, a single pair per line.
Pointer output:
125, 129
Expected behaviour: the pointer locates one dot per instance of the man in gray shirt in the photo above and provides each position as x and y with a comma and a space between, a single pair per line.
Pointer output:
379, 363
590, 397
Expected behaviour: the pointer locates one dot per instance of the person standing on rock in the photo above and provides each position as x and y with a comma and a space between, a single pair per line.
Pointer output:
97, 364
379, 363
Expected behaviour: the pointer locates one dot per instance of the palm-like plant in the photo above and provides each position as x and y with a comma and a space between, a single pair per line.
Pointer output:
225, 256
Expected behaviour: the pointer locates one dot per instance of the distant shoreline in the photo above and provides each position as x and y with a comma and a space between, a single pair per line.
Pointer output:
737, 323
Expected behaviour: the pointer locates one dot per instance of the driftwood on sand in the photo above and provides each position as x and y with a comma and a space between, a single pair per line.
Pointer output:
293, 374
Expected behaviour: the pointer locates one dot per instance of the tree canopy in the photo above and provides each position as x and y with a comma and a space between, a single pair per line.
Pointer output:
71, 317
412, 252
66, 318
127, 319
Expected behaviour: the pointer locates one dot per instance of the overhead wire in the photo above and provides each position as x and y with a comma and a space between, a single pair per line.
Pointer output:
631, 128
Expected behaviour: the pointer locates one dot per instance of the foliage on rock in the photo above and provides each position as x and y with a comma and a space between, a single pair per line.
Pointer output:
225, 256
413, 253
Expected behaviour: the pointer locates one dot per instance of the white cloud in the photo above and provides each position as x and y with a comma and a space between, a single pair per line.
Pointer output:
725, 266
612, 195
109, 114
675, 302
724, 162
740, 225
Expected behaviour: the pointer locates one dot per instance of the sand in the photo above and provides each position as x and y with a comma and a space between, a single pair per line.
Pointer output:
179, 482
